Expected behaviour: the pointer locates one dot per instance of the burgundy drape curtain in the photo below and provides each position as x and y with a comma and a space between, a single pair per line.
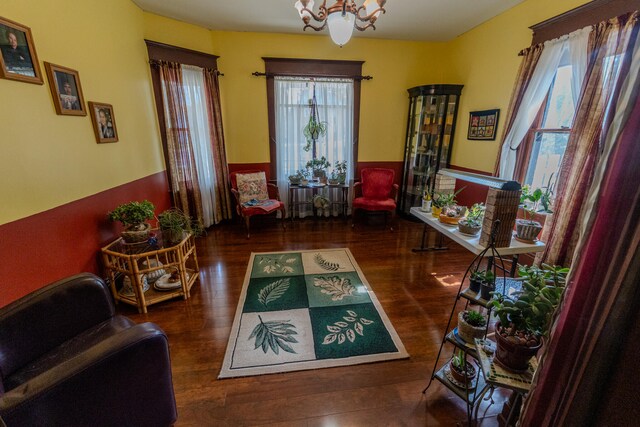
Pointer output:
608, 40
221, 169
587, 349
531, 55
183, 175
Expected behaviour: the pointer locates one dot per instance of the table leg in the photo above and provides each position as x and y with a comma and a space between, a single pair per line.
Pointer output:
438, 247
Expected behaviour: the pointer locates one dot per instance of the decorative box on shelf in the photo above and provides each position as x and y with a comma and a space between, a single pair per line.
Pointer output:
172, 269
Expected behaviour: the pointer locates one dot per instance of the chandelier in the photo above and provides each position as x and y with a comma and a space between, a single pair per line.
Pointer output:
342, 17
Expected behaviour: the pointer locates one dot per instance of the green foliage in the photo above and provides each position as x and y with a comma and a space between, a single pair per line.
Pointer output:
132, 213
489, 277
478, 276
475, 215
540, 199
176, 221
533, 308
318, 166
441, 200
458, 360
475, 319
274, 335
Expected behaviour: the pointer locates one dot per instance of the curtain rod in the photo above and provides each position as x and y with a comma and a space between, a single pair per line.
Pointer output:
359, 78
157, 62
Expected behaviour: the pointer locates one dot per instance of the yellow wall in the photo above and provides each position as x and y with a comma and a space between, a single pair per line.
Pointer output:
486, 61
394, 65
49, 160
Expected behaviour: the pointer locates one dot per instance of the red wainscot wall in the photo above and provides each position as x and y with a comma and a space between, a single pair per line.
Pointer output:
66, 240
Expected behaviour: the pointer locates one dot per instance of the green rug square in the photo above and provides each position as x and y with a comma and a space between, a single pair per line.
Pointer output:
349, 330
333, 289
276, 294
277, 265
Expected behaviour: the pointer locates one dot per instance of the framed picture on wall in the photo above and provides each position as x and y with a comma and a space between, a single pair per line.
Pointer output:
104, 122
483, 125
65, 90
18, 58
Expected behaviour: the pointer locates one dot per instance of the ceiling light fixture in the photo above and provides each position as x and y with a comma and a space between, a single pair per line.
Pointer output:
342, 17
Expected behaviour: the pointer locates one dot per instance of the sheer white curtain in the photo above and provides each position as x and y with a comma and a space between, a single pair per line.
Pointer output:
335, 106
574, 45
194, 94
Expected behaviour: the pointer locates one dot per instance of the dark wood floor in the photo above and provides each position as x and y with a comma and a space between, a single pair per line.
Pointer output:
415, 290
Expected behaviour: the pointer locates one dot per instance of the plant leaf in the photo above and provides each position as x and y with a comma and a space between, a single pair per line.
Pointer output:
329, 339
273, 291
341, 338
366, 321
349, 319
352, 313
358, 328
274, 335
341, 324
332, 328
351, 335
326, 265
335, 286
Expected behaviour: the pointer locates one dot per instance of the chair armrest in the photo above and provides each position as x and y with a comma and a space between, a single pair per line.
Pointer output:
394, 192
274, 192
357, 189
124, 380
44, 319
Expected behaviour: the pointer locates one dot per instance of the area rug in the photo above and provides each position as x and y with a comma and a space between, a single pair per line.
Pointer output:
307, 310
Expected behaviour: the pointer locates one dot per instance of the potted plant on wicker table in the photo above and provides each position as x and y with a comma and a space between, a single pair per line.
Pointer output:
525, 319
133, 216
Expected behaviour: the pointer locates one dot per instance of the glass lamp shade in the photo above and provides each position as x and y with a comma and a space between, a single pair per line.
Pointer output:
301, 6
371, 6
341, 27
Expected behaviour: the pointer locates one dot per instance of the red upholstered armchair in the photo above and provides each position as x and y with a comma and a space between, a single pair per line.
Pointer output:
254, 196
375, 192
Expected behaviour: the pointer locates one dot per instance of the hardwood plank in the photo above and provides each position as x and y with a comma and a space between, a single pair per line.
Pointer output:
416, 291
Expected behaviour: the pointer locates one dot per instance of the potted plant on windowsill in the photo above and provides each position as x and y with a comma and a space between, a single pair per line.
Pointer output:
471, 324
538, 200
527, 318
472, 223
133, 216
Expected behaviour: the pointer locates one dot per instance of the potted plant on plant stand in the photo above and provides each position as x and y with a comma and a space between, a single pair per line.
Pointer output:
319, 168
133, 216
472, 223
340, 168
526, 319
475, 280
471, 324
174, 224
461, 370
488, 285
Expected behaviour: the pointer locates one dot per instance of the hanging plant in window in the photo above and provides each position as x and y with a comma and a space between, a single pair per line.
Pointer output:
314, 128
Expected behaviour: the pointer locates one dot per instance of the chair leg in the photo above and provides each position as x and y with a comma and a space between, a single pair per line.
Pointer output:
353, 217
284, 220
393, 219
246, 223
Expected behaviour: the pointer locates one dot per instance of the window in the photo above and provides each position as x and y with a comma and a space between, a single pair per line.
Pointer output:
551, 132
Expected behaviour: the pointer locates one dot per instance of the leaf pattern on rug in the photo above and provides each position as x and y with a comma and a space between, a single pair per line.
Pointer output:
273, 291
337, 287
274, 335
342, 331
274, 264
324, 264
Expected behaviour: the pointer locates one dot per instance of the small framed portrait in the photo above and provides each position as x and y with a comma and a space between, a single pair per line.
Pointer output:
65, 90
104, 122
483, 125
18, 59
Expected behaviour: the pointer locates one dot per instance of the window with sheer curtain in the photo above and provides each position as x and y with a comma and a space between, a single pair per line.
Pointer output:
335, 103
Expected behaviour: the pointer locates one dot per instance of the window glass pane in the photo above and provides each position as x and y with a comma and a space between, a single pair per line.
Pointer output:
546, 156
560, 109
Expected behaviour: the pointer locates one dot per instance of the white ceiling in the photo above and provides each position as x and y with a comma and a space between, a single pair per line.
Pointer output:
424, 20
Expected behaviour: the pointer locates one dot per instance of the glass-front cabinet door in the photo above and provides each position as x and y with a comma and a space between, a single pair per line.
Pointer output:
430, 128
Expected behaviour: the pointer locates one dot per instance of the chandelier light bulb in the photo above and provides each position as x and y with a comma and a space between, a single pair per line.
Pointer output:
341, 27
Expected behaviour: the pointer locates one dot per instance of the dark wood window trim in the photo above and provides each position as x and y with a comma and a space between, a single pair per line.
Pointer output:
310, 68
164, 52
588, 14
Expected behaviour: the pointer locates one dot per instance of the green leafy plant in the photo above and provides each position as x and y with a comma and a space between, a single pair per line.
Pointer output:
538, 200
529, 313
132, 214
174, 222
475, 215
318, 166
459, 360
313, 130
489, 277
478, 276
474, 318
441, 200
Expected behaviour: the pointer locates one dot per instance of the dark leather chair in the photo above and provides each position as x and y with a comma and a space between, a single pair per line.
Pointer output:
375, 192
246, 212
67, 360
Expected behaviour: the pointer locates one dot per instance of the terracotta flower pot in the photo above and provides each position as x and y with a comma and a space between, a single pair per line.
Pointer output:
511, 355
460, 376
